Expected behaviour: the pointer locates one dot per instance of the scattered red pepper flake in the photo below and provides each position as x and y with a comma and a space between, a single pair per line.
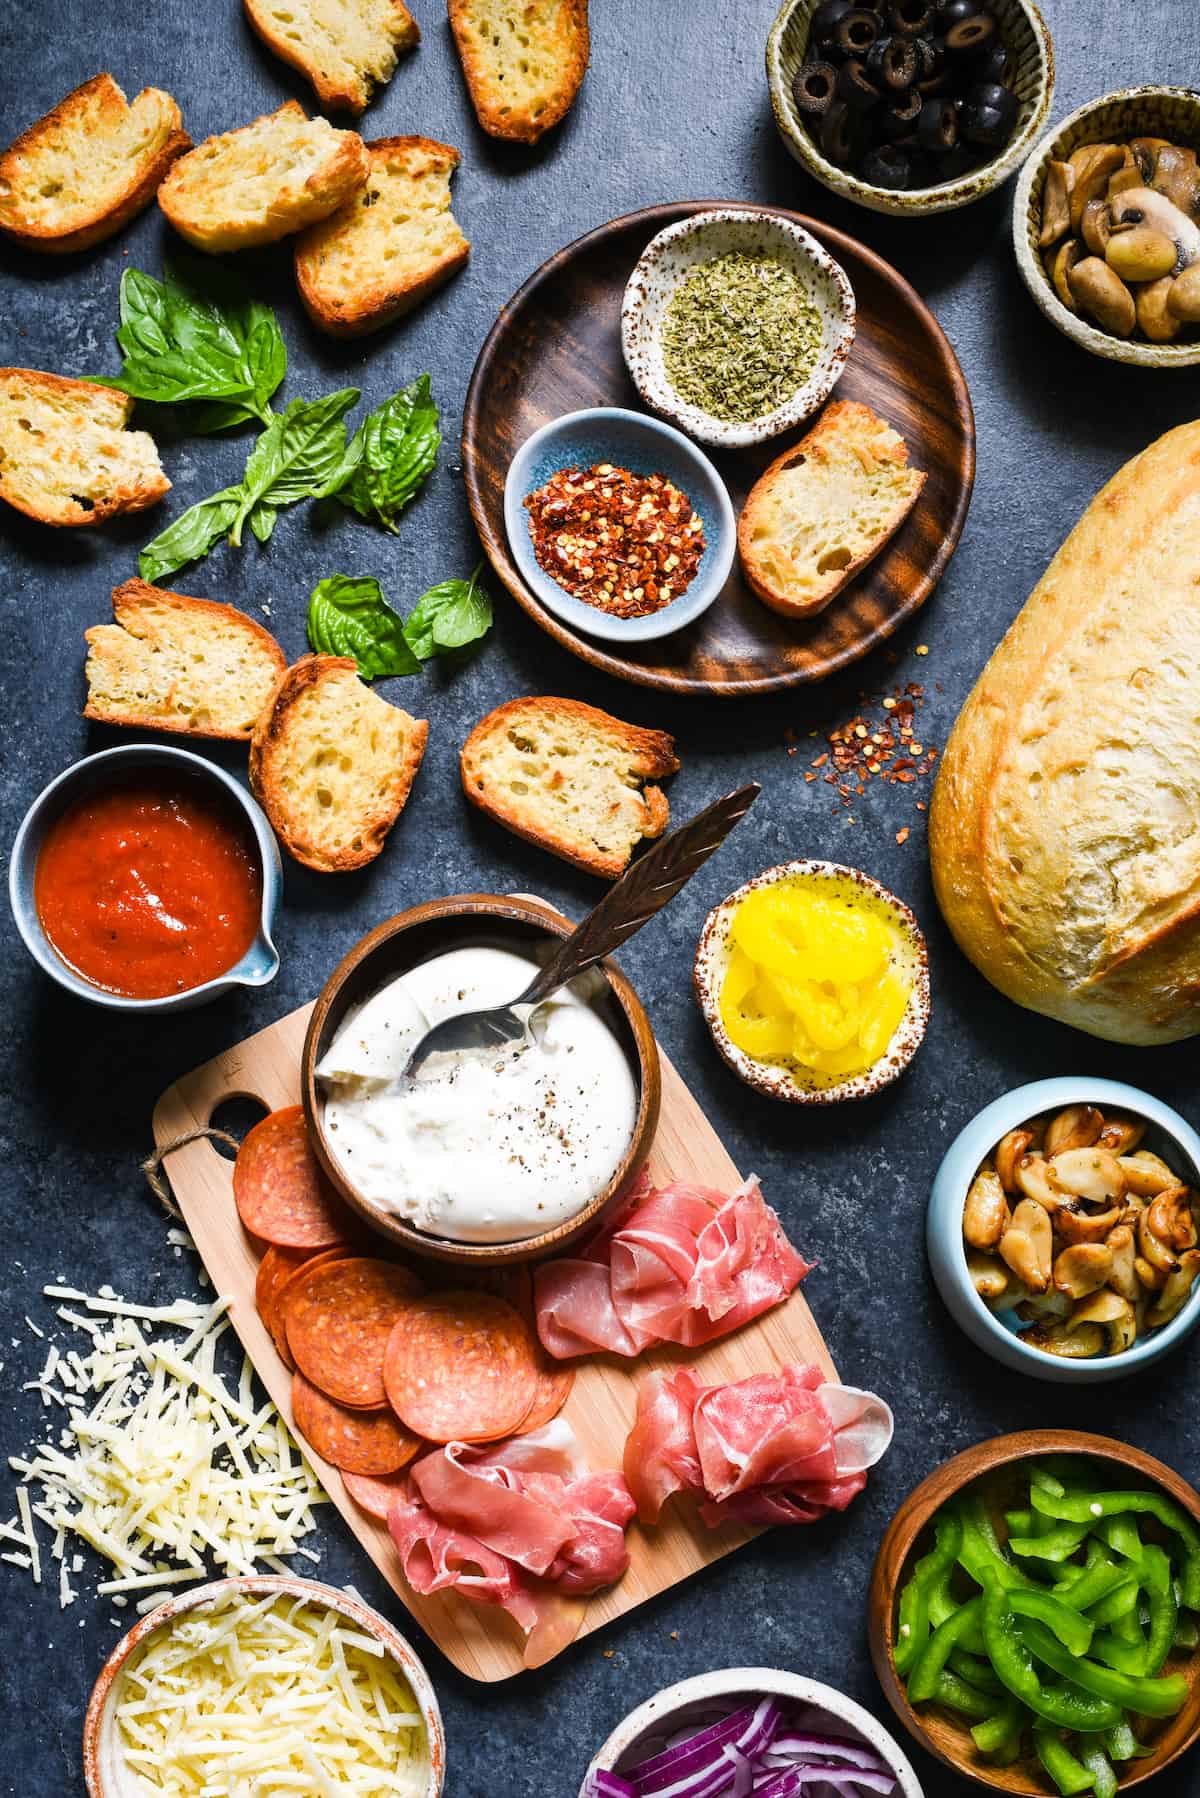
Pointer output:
902, 835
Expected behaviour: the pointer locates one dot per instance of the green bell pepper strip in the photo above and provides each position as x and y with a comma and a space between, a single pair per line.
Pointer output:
1065, 1706
1104, 1780
1126, 1657
1162, 1697
941, 1597
1002, 1730
981, 1555
931, 1662
1019, 1523
1096, 1582
1042, 1478
1072, 1628
1090, 1507
974, 1670
1058, 1544
1068, 1774
957, 1695
1160, 1635
1123, 1745
913, 1614
1120, 1602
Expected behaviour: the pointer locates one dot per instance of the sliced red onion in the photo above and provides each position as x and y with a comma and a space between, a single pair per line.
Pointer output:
610, 1785
697, 1768
744, 1771
791, 1745
850, 1780
788, 1784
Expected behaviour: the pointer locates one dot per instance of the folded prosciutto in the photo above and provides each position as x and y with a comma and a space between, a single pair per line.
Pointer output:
784, 1447
514, 1524
679, 1264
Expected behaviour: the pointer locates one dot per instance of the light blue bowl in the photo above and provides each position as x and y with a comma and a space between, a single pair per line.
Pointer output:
644, 445
1168, 1135
258, 966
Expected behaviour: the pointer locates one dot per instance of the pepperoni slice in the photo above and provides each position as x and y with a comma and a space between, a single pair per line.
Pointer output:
461, 1367
555, 1380
354, 1441
276, 1269
280, 1192
375, 1493
338, 1319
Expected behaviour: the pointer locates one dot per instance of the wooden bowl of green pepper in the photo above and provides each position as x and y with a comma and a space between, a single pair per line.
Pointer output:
1035, 1615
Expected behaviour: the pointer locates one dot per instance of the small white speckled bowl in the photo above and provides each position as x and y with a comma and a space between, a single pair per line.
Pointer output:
779, 1082
670, 256
1170, 112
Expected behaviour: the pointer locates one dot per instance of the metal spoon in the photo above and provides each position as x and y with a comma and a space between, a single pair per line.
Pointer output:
642, 891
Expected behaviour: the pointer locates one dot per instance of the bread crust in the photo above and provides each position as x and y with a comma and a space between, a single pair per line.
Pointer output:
329, 91
377, 303
518, 125
107, 408
124, 203
342, 170
840, 418
651, 757
1065, 821
269, 743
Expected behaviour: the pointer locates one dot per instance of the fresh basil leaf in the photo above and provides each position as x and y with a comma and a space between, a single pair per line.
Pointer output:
397, 446
297, 455
262, 521
191, 536
449, 616
348, 616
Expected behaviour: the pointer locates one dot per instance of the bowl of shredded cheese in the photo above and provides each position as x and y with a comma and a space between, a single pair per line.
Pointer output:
265, 1685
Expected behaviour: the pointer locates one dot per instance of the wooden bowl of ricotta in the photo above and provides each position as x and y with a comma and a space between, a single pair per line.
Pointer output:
413, 940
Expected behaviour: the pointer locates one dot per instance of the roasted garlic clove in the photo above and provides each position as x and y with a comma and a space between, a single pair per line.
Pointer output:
1113, 1314
1027, 1245
1092, 1175
1060, 1339
1169, 1217
989, 1277
1075, 1225
1123, 1274
985, 1213
1009, 1151
1056, 204
1120, 1134
1078, 1127
1035, 1182
1145, 1174
1176, 1291
1083, 1269
1153, 1248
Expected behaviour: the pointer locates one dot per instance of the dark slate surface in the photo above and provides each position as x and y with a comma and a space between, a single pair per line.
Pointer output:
675, 106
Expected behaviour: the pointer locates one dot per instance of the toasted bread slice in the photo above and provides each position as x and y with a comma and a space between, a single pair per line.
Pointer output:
571, 779
389, 246
824, 508
346, 48
171, 662
65, 455
524, 61
255, 185
332, 764
78, 174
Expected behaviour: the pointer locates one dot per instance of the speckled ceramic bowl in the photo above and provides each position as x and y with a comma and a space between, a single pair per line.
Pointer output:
645, 446
1025, 34
1170, 112
778, 1082
995, 1333
671, 255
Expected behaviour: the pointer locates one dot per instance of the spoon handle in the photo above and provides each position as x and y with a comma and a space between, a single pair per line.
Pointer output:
642, 890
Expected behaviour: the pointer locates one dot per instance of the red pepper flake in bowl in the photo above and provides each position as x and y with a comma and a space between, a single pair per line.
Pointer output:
626, 543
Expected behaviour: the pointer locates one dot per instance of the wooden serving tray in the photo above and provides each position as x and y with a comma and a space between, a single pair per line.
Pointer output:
482, 1642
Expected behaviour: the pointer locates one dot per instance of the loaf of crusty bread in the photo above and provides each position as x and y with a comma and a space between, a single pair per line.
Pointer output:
171, 662
389, 246
1065, 824
255, 185
524, 61
346, 48
571, 779
76, 175
65, 455
332, 764
821, 510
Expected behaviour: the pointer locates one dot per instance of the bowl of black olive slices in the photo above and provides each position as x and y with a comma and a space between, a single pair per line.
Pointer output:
910, 106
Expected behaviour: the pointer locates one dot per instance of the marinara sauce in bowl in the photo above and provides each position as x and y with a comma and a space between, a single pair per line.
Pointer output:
146, 878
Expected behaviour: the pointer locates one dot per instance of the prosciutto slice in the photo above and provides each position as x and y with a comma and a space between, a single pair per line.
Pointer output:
680, 1263
786, 1447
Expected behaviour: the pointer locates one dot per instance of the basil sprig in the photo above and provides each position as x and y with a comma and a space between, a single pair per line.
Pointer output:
349, 616
190, 537
449, 616
200, 341
391, 455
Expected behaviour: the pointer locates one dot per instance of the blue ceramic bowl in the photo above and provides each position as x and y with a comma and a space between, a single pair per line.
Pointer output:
258, 966
644, 445
1167, 1135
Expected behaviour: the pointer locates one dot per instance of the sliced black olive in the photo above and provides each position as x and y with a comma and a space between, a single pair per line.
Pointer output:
887, 166
813, 88
971, 37
937, 127
950, 11
934, 74
841, 134
857, 30
911, 18
989, 113
898, 119
995, 66
855, 87
893, 63
825, 21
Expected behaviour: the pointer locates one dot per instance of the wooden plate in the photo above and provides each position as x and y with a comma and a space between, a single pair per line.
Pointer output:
556, 346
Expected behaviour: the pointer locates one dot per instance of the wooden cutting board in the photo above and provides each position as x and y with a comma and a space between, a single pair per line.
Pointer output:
482, 1641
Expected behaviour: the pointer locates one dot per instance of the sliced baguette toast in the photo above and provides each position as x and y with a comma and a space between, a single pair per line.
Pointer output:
78, 174
65, 455
389, 246
571, 779
524, 61
332, 764
263, 181
824, 508
346, 48
171, 662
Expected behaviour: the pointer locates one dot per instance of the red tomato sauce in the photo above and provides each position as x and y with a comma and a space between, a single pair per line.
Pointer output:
147, 888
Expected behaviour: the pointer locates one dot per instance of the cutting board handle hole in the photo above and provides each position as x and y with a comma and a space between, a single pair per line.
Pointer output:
237, 1115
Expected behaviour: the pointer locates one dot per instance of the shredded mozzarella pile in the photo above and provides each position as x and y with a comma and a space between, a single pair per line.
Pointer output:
160, 1464
270, 1697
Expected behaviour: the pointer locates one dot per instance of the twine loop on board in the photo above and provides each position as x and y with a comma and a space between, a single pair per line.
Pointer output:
152, 1167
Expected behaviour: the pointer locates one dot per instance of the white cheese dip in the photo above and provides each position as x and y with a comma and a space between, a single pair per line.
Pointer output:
496, 1148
